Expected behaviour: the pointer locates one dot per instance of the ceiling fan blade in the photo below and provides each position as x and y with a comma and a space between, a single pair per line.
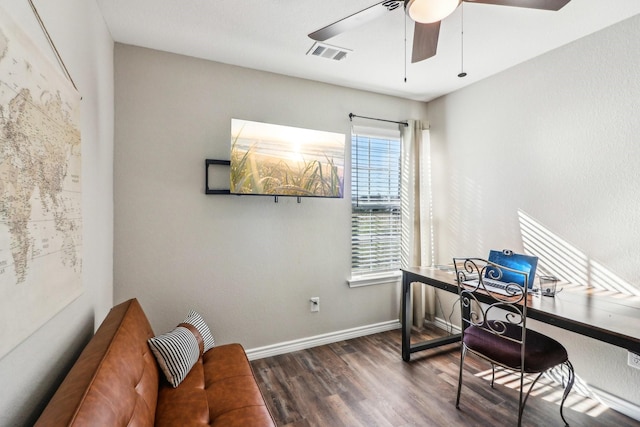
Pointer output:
354, 21
531, 4
425, 41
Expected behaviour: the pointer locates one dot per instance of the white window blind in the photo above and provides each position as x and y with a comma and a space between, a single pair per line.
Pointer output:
375, 202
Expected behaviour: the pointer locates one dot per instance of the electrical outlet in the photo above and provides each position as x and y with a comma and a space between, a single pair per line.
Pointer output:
634, 360
315, 304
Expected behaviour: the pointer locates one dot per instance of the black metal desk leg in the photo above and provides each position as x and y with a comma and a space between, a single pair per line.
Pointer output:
406, 327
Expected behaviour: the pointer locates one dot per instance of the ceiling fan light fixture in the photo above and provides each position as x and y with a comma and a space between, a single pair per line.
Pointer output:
428, 11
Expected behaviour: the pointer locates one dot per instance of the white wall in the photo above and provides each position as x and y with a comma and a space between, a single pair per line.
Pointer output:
553, 142
249, 265
33, 370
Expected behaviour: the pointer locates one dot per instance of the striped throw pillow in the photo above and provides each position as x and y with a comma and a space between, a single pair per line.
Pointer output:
177, 351
194, 318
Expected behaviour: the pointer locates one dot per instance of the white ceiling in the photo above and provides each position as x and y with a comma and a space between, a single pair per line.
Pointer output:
271, 35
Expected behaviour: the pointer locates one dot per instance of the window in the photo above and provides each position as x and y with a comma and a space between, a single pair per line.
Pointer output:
375, 202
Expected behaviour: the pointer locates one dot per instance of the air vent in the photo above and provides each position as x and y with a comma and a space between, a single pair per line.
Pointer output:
324, 50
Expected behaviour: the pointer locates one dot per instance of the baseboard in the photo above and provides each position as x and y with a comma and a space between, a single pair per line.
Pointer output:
304, 343
443, 324
619, 405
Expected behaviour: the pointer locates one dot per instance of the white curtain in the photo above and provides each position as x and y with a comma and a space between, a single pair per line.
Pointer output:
417, 221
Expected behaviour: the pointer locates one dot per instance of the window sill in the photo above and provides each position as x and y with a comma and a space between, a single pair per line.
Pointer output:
375, 279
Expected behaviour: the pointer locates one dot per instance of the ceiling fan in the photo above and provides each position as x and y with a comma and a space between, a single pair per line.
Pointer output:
427, 15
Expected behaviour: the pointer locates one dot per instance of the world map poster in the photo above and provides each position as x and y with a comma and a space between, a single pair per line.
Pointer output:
40, 188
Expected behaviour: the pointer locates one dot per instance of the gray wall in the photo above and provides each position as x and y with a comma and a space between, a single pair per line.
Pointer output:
249, 265
33, 370
548, 152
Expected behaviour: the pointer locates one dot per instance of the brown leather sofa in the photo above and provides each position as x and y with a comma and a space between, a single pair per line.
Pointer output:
116, 382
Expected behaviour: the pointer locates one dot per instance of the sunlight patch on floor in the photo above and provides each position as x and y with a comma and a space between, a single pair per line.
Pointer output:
549, 387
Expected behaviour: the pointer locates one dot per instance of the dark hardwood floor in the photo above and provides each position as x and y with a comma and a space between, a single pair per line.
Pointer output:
364, 382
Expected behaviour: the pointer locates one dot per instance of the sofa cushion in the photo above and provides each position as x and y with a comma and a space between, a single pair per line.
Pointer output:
220, 390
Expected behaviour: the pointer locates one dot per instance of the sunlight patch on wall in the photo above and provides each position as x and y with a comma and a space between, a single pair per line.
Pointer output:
556, 256
560, 258
603, 278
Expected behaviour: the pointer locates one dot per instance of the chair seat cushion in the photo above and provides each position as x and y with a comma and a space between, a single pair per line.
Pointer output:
542, 352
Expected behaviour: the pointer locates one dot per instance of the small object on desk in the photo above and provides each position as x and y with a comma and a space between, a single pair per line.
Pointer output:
548, 285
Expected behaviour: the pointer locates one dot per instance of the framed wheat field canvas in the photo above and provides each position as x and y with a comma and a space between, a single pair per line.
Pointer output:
271, 159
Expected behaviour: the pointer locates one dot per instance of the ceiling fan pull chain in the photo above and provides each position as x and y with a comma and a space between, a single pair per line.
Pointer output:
462, 73
405, 47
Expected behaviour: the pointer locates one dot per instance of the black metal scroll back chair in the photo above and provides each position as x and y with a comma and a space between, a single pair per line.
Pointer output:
494, 327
